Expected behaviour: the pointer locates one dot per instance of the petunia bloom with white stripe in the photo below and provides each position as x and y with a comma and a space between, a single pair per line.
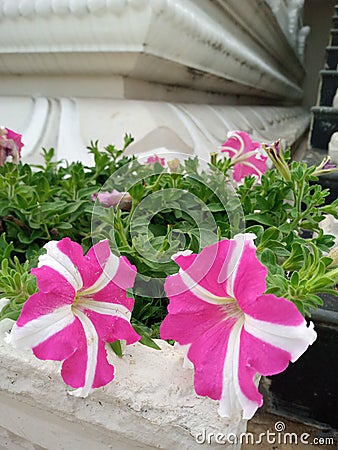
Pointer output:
246, 155
232, 329
80, 307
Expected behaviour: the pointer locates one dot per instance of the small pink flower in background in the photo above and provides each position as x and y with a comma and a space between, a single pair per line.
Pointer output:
10, 145
16, 138
245, 154
81, 305
155, 158
112, 198
233, 330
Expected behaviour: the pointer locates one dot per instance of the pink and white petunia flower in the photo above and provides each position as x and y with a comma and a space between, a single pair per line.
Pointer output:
155, 158
81, 305
10, 145
246, 155
114, 198
233, 330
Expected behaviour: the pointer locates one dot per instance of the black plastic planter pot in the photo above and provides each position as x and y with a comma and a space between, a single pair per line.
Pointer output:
330, 181
328, 87
324, 124
334, 39
308, 389
332, 57
335, 21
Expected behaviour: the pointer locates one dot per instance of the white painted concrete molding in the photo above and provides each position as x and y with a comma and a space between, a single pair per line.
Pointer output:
69, 124
224, 46
150, 404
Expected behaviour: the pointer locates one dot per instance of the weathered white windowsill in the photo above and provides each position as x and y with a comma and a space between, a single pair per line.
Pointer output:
150, 404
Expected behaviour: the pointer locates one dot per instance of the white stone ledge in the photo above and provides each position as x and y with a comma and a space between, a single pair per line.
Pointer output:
205, 45
150, 404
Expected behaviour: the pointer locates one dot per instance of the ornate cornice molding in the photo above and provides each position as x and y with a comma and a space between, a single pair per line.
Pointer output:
179, 42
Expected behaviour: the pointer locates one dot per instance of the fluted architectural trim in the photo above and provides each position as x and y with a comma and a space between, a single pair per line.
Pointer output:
69, 124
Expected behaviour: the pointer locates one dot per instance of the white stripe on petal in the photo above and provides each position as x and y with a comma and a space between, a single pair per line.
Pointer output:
200, 291
38, 330
293, 339
60, 262
111, 309
109, 271
233, 401
92, 354
231, 263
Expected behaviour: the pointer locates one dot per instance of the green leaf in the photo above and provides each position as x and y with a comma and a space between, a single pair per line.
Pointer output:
215, 207
296, 259
64, 226
268, 258
145, 337
263, 218
116, 346
271, 234
6, 248
294, 279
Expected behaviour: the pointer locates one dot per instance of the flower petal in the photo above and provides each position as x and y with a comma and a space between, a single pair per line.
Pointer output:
276, 310
232, 401
113, 327
222, 269
40, 303
39, 329
74, 370
208, 354
265, 360
50, 281
189, 316
205, 268
112, 198
251, 166
16, 137
104, 267
88, 367
74, 367
293, 339
101, 267
60, 345
115, 291
247, 279
239, 142
113, 295
86, 358
57, 258
125, 275
246, 156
